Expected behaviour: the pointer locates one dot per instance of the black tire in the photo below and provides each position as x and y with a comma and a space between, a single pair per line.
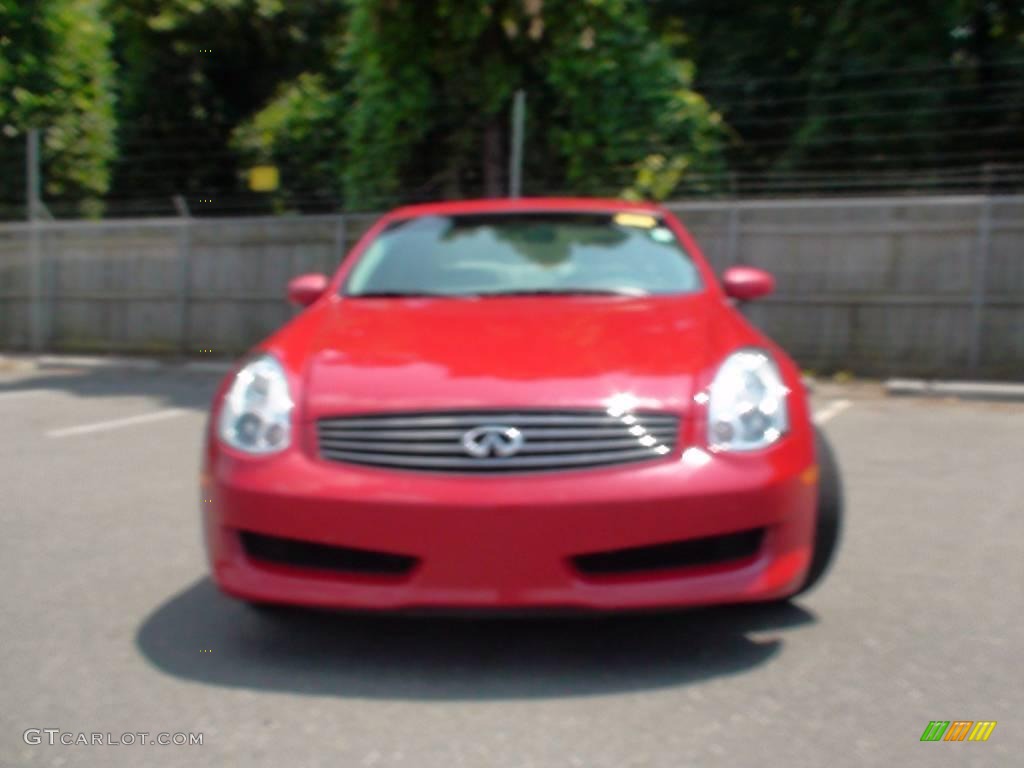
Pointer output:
829, 523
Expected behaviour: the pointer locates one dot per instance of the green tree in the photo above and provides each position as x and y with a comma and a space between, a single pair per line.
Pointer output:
423, 92
894, 103
56, 74
847, 96
192, 70
300, 132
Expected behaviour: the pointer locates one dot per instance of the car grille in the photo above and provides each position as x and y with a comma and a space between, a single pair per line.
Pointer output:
551, 440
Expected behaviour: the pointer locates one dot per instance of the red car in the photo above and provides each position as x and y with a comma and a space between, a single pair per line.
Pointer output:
519, 404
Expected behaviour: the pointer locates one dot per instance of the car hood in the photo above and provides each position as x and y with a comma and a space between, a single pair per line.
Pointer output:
436, 354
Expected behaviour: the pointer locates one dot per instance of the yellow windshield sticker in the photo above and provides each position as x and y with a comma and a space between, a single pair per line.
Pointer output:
641, 220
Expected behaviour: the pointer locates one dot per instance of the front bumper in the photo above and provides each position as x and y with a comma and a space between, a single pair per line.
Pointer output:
511, 542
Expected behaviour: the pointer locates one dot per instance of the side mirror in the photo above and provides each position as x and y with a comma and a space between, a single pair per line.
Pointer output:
747, 283
305, 289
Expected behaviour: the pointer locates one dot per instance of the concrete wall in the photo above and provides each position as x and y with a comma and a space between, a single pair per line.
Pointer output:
931, 286
160, 285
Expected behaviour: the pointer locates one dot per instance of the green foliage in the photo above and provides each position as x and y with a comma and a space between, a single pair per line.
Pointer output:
192, 70
301, 133
428, 89
56, 74
432, 81
625, 102
858, 33
860, 87
369, 103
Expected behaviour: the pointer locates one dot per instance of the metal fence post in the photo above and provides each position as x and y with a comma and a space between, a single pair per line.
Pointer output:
34, 245
732, 236
515, 170
184, 243
340, 242
978, 280
35, 286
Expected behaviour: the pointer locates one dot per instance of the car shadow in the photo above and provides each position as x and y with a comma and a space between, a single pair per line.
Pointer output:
169, 385
202, 636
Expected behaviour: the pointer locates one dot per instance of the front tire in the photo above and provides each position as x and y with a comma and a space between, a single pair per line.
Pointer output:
828, 522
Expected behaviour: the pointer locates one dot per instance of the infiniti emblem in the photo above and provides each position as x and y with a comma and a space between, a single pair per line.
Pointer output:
492, 440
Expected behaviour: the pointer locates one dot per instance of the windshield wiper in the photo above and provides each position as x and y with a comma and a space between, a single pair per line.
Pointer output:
490, 294
570, 292
412, 295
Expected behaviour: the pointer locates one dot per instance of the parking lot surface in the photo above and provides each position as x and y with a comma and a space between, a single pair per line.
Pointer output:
110, 624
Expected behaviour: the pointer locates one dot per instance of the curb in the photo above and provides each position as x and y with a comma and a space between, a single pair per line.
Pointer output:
965, 390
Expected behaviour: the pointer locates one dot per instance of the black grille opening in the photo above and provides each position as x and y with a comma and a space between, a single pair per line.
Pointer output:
305, 554
672, 555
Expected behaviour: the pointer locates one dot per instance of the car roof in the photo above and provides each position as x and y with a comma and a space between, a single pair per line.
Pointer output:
525, 205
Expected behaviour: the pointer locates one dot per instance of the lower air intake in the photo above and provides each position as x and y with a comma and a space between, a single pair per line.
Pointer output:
678, 554
309, 555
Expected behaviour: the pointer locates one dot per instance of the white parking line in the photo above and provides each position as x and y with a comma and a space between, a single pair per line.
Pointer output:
22, 393
831, 411
103, 426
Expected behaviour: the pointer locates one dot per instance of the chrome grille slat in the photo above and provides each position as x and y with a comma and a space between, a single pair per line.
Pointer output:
552, 440
489, 465
471, 419
536, 446
456, 434
372, 446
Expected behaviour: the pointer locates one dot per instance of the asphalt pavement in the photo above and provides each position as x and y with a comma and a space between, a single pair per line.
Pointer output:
109, 624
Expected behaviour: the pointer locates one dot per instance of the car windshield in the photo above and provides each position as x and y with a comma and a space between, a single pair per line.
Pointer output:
524, 254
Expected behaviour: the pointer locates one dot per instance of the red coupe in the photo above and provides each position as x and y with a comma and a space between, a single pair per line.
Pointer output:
519, 404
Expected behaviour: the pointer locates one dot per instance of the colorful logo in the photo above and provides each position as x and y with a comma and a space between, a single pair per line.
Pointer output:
958, 730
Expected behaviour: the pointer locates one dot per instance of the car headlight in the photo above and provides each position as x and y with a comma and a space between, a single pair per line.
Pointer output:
255, 416
747, 405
